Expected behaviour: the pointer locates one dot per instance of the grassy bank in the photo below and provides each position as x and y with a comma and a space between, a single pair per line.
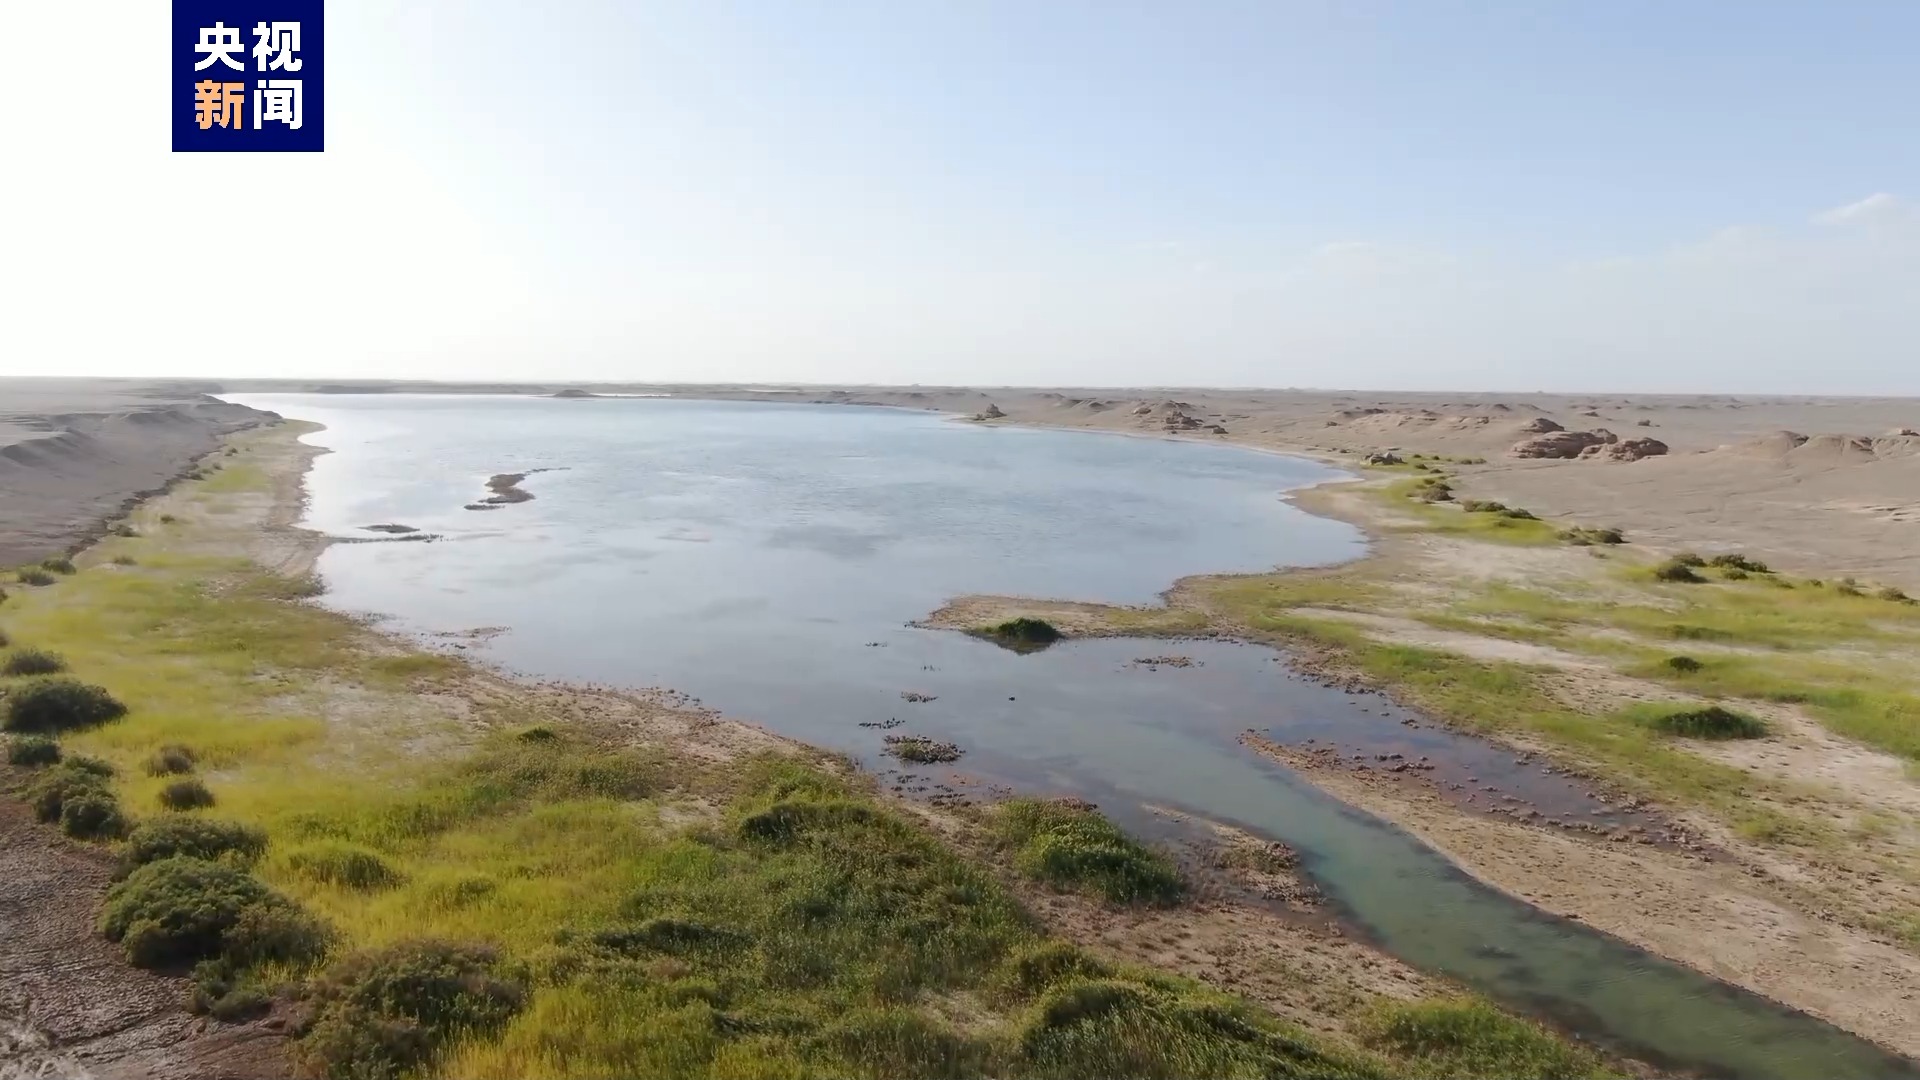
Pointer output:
465, 877
1643, 668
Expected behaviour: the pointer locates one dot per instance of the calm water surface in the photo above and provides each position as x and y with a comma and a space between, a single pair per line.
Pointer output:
767, 560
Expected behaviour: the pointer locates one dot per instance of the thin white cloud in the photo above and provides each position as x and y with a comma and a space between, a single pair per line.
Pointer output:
1876, 206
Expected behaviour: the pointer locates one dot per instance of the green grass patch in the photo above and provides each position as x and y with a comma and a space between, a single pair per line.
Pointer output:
1702, 722
1466, 1037
1478, 519
1079, 850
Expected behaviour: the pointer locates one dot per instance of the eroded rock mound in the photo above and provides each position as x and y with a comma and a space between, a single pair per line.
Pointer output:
1562, 444
1540, 425
1627, 449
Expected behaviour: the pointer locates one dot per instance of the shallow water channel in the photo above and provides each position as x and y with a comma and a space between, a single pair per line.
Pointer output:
767, 559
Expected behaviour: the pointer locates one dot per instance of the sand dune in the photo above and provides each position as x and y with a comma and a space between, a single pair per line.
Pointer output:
73, 452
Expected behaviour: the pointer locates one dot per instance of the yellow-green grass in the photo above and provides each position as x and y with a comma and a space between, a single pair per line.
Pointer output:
1448, 519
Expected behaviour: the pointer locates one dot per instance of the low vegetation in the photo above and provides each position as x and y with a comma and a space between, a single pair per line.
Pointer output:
50, 706
33, 662
1678, 570
920, 750
1445, 1040
32, 750
167, 836
33, 575
189, 794
347, 865
171, 760
1022, 634
1582, 536
390, 1011
59, 564
1077, 849
182, 910
1705, 722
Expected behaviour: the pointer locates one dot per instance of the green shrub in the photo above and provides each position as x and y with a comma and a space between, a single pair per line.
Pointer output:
70, 779
1078, 849
49, 706
33, 575
33, 662
189, 794
1847, 586
387, 1013
1677, 571
1688, 558
336, 862
59, 564
1483, 506
1581, 536
32, 750
125, 530
1733, 561
181, 910
1518, 514
1469, 1038
3, 636
1710, 722
168, 519
196, 837
92, 815
1683, 665
1895, 595
1023, 634
123, 560
170, 760
537, 733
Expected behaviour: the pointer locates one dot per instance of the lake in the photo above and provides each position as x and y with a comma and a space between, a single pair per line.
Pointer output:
768, 558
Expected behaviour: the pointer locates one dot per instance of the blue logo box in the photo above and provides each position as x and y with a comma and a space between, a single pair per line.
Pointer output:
248, 75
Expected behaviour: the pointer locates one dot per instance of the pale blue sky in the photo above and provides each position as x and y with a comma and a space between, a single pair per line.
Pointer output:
1418, 195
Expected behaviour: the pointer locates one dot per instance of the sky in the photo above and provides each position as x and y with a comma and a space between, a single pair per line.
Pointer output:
1630, 196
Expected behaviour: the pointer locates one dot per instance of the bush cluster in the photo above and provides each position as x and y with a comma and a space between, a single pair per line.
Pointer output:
188, 794
51, 705
77, 794
33, 662
32, 750
175, 835
181, 910
388, 1012
1677, 570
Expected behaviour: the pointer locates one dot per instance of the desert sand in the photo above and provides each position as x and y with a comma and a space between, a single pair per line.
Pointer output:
73, 452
